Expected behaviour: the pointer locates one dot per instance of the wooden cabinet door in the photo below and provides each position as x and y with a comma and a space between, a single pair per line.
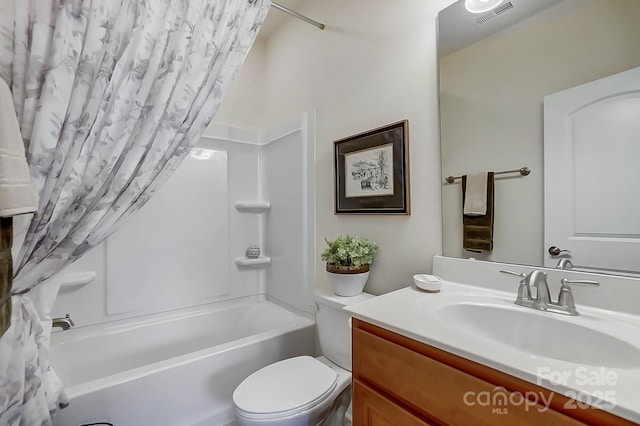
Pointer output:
400, 381
438, 391
372, 409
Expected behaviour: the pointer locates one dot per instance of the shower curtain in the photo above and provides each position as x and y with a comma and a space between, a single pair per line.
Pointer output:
110, 96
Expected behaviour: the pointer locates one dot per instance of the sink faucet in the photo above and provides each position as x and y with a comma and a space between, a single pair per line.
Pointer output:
538, 279
542, 302
64, 323
564, 264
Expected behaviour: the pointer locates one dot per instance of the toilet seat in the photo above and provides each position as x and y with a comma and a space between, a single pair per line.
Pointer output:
285, 388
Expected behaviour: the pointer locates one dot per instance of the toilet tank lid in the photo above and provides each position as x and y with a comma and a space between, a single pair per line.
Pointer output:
285, 386
329, 298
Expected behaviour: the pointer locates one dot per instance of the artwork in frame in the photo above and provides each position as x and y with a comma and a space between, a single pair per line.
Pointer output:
372, 171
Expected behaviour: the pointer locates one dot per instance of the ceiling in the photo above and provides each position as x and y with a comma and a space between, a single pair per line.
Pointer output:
458, 28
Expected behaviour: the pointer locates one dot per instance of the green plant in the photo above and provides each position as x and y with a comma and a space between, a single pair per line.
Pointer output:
346, 250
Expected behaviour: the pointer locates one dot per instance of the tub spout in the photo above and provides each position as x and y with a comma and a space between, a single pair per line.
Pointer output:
64, 323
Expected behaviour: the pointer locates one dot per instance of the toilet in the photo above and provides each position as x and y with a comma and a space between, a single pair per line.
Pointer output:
304, 391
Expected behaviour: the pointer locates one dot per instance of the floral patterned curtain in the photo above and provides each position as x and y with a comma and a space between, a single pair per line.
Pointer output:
110, 96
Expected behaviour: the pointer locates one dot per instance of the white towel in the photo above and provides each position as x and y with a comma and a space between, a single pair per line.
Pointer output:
16, 192
475, 198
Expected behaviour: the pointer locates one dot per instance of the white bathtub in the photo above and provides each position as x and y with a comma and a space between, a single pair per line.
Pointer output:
173, 369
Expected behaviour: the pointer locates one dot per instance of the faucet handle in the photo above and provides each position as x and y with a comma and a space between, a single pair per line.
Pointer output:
565, 298
566, 282
519, 274
524, 291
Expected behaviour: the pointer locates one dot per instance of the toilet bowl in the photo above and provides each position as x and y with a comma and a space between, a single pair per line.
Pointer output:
296, 391
304, 391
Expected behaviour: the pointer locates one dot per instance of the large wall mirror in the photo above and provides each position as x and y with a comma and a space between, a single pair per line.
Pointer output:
496, 69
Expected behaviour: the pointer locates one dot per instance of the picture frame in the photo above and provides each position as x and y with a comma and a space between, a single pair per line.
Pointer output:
371, 171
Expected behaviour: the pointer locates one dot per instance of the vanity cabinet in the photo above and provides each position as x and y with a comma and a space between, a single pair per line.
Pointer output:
400, 381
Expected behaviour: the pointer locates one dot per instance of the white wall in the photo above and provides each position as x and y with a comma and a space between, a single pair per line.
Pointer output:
492, 100
243, 104
374, 64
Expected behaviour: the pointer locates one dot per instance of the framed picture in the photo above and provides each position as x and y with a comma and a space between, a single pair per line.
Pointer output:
372, 171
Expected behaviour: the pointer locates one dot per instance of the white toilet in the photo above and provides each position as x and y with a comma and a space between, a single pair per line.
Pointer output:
304, 391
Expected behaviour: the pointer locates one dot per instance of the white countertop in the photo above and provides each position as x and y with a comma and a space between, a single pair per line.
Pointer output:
414, 313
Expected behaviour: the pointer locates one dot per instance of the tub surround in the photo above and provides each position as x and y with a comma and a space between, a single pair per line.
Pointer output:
172, 255
419, 315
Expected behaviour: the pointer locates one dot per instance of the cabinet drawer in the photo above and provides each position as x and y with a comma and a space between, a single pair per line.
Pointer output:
439, 392
373, 409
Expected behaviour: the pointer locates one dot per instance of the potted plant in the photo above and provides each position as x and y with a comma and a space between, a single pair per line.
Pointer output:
348, 259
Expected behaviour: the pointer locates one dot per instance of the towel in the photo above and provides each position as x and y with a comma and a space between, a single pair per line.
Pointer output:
475, 200
6, 272
477, 230
16, 193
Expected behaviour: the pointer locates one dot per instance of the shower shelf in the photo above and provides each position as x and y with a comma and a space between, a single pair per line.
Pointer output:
252, 206
75, 280
245, 261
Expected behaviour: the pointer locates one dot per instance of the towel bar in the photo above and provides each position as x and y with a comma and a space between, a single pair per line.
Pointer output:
524, 171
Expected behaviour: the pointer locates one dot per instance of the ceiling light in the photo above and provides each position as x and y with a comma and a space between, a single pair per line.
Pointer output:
481, 6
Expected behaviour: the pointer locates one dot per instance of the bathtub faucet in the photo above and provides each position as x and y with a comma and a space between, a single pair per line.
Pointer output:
64, 323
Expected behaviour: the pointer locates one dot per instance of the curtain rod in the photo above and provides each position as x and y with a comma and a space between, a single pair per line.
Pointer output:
297, 15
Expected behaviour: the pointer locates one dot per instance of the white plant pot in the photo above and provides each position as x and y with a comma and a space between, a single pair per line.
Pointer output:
348, 284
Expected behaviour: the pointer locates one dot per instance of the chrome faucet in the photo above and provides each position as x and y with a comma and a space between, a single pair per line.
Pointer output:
64, 323
564, 264
542, 302
538, 279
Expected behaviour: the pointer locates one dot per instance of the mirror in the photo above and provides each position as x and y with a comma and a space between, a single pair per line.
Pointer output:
495, 70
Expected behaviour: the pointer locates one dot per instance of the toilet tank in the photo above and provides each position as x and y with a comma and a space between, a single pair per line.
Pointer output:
334, 330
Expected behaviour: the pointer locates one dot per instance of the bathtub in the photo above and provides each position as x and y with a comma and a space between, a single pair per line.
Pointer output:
176, 368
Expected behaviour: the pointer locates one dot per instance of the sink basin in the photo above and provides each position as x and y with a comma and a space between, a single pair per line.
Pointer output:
541, 334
